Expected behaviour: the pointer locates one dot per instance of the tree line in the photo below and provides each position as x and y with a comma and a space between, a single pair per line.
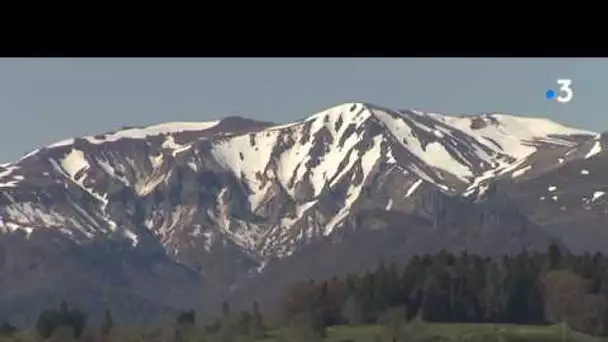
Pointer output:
529, 288
69, 324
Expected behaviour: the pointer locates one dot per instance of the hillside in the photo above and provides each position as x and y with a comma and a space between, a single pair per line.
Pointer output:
220, 209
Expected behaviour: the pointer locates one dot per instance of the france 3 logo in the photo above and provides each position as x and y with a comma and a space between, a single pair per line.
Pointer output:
564, 94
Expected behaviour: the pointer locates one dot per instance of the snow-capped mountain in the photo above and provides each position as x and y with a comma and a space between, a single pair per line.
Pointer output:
228, 201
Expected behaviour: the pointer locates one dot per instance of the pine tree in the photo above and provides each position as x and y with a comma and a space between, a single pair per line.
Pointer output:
228, 325
186, 318
555, 257
47, 323
492, 296
225, 309
107, 324
63, 308
466, 288
77, 321
435, 296
51, 320
257, 327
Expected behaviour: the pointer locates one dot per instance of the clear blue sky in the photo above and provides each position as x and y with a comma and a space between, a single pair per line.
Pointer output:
46, 100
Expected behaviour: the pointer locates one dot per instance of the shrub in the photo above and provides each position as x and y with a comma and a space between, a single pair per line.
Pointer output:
7, 330
188, 317
50, 320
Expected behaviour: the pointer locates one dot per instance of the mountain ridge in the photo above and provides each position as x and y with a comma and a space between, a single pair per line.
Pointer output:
445, 160
231, 199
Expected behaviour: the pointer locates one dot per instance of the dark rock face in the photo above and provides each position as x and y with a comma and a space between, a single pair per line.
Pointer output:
569, 200
181, 215
40, 271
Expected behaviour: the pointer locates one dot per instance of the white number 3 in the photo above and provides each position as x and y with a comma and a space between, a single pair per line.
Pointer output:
566, 94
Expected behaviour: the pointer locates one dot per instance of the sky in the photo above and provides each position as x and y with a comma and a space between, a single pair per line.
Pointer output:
46, 100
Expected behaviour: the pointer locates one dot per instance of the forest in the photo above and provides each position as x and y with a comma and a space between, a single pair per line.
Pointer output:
391, 303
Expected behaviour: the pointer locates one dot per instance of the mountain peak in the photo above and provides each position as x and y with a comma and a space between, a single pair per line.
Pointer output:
226, 196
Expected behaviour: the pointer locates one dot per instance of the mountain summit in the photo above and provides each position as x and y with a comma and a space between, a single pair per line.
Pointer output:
156, 214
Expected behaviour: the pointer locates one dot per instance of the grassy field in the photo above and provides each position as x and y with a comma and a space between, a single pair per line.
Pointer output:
440, 332
462, 332
413, 332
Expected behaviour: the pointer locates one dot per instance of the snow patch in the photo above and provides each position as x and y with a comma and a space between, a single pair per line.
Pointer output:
368, 161
389, 205
300, 211
514, 134
413, 188
228, 154
61, 143
29, 155
74, 162
439, 156
597, 148
438, 133
131, 236
434, 154
521, 171
139, 133
192, 166
597, 195
9, 184
175, 148
165, 128
145, 185
156, 161
8, 170
105, 165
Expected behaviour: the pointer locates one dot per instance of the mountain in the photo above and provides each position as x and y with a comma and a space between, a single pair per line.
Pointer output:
146, 220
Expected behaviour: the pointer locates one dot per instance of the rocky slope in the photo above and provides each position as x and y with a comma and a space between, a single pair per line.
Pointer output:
172, 212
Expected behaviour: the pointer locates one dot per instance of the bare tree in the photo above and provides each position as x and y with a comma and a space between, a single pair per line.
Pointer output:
567, 302
562, 292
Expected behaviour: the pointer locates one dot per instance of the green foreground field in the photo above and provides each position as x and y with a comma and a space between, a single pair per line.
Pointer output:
413, 332
447, 332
